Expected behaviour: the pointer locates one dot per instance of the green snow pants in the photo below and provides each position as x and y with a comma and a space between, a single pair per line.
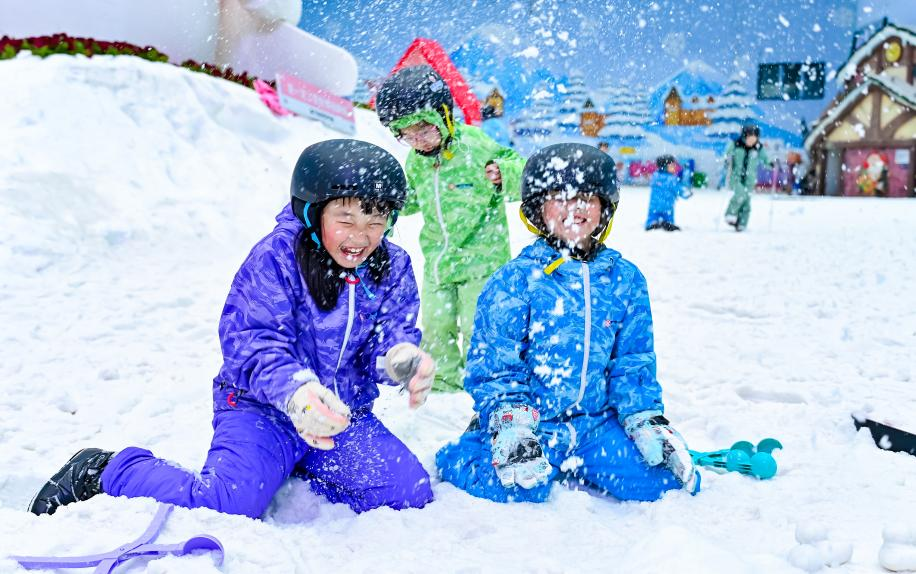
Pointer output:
739, 208
447, 312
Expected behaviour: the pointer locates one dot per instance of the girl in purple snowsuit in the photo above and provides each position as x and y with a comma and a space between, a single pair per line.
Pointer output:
321, 312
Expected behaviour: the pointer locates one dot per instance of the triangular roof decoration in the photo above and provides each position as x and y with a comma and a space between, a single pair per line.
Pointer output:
904, 94
426, 51
848, 69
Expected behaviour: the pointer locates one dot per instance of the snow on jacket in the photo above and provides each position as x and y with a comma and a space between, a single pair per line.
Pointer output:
665, 189
274, 336
465, 234
577, 340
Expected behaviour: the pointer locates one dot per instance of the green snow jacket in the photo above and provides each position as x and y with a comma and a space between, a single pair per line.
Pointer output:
743, 163
465, 233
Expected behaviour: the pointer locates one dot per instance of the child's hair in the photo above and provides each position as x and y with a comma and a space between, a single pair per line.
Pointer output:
663, 161
323, 276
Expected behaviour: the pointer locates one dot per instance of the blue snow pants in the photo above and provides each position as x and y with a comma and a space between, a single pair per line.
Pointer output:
599, 455
255, 450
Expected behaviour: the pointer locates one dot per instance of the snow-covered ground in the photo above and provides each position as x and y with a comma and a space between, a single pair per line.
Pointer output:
129, 194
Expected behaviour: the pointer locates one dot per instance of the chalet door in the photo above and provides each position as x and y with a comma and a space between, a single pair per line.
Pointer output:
833, 177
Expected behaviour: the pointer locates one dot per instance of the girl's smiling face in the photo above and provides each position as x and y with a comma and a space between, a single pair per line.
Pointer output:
572, 218
348, 233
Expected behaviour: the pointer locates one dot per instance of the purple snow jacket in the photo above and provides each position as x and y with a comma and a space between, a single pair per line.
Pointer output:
274, 337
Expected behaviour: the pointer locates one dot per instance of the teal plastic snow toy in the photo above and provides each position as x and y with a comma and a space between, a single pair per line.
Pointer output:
742, 457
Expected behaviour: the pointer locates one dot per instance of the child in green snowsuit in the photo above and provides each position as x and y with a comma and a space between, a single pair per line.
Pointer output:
459, 179
743, 157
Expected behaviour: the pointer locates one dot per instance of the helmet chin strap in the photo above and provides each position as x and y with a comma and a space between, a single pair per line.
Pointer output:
607, 228
598, 236
392, 219
309, 224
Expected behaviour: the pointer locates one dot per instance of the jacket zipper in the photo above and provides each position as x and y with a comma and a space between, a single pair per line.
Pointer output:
441, 222
586, 283
351, 307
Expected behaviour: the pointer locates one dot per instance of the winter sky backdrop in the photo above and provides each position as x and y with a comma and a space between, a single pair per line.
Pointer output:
618, 43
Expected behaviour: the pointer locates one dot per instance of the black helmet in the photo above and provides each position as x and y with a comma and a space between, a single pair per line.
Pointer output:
347, 168
410, 90
663, 161
750, 129
571, 167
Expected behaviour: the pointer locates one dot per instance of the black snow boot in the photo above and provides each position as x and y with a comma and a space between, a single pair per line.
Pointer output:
670, 226
79, 479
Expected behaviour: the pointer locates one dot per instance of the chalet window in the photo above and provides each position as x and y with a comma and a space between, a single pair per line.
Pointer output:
790, 81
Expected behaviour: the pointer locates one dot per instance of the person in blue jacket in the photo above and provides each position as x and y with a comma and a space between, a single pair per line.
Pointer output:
321, 312
561, 366
665, 189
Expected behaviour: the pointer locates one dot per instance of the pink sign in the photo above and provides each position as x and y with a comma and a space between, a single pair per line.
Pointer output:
310, 101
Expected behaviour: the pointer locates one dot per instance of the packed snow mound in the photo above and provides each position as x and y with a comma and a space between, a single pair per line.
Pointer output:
135, 150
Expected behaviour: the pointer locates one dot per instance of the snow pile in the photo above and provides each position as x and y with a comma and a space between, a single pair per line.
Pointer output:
815, 550
898, 553
130, 192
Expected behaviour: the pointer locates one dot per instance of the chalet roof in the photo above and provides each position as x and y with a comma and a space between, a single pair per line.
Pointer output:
898, 90
848, 69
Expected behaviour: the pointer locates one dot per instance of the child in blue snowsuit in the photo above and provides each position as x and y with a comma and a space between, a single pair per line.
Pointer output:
561, 366
321, 312
665, 189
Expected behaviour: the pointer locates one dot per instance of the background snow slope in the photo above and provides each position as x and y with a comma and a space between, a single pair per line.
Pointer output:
130, 192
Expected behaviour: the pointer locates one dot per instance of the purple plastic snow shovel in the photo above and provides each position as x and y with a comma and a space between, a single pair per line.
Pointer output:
106, 562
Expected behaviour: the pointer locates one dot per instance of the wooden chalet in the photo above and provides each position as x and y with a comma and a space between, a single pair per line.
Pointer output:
864, 143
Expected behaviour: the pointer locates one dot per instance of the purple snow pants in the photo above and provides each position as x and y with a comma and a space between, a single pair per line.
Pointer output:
255, 450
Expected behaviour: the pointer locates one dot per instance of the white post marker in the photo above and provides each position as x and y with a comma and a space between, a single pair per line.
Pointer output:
310, 101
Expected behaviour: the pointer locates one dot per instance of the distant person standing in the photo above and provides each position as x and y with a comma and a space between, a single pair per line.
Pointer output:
742, 157
664, 190
603, 146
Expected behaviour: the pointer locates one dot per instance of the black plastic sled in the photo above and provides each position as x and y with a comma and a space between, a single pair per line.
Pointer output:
888, 437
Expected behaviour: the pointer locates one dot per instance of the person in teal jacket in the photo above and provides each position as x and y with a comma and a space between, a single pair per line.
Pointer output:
459, 179
562, 365
743, 157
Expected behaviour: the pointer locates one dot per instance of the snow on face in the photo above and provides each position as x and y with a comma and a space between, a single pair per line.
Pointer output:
572, 219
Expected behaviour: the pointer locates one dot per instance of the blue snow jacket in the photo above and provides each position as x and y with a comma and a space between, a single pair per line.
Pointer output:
274, 337
575, 341
665, 190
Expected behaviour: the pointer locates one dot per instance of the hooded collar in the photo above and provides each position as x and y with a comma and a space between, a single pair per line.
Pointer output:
425, 115
431, 117
544, 256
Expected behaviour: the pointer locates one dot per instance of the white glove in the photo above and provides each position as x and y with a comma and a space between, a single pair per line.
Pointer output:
658, 443
318, 414
518, 458
413, 368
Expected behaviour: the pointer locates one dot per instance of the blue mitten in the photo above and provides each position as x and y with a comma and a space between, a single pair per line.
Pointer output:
517, 454
660, 444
